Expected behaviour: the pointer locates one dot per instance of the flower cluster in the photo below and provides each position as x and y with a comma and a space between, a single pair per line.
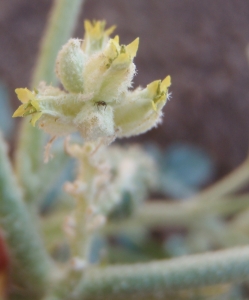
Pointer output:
97, 101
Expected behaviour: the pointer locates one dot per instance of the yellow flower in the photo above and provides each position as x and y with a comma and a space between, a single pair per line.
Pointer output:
96, 29
98, 100
30, 105
96, 36
120, 54
158, 91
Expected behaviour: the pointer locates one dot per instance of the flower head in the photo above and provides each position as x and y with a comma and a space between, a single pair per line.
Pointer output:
97, 101
30, 105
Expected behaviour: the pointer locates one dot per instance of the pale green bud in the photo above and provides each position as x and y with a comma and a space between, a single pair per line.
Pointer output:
59, 109
69, 66
135, 115
95, 122
141, 110
68, 113
121, 68
108, 74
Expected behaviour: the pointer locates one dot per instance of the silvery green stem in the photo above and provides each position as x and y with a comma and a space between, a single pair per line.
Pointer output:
61, 24
179, 214
29, 262
156, 279
241, 221
185, 213
162, 213
229, 184
220, 233
29, 156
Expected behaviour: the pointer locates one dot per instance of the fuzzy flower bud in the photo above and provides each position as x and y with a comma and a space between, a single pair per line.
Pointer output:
97, 101
69, 66
30, 105
141, 109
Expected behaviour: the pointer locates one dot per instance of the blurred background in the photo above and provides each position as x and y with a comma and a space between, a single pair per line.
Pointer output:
201, 44
205, 130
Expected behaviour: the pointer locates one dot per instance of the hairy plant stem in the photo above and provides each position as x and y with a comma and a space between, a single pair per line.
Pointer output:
63, 18
179, 214
28, 257
227, 185
30, 148
80, 241
157, 279
214, 200
241, 221
29, 262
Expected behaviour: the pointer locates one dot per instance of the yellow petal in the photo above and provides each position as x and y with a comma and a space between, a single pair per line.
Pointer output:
132, 48
161, 98
111, 51
122, 59
97, 29
88, 26
110, 30
24, 95
153, 88
35, 118
98, 26
20, 111
166, 83
35, 104
153, 105
116, 41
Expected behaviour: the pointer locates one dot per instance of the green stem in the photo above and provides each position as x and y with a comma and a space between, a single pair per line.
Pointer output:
61, 24
221, 233
80, 242
79, 249
229, 184
241, 221
162, 213
29, 155
157, 279
29, 261
186, 213
29, 159
179, 214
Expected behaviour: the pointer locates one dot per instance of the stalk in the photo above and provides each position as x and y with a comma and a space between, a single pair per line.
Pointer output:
30, 148
29, 262
156, 280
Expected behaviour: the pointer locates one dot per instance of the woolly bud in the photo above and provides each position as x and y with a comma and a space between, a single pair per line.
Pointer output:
97, 122
141, 110
69, 66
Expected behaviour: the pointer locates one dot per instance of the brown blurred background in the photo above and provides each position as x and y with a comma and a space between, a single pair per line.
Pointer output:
201, 44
